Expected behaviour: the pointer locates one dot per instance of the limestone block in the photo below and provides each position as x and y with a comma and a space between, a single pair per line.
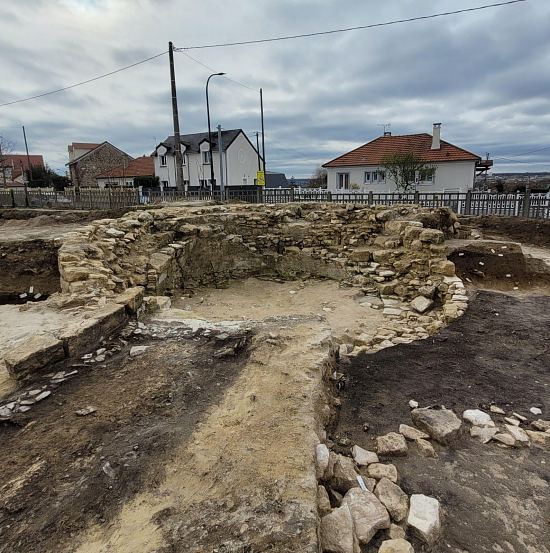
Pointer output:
441, 424
34, 354
423, 519
367, 512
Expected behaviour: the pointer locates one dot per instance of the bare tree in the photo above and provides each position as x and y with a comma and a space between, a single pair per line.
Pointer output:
403, 169
319, 178
6, 148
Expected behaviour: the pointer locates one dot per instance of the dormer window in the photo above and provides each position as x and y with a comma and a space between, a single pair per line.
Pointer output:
206, 157
163, 161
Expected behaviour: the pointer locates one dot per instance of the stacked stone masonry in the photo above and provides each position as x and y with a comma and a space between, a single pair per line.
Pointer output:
387, 253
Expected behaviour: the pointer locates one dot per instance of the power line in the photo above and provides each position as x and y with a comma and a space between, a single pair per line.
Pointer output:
347, 29
83, 82
531, 152
214, 70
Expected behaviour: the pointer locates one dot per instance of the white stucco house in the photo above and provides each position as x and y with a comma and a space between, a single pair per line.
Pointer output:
240, 161
362, 170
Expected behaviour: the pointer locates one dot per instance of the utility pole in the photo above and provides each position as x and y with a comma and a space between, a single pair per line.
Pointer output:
28, 157
220, 149
177, 138
258, 150
2, 165
263, 130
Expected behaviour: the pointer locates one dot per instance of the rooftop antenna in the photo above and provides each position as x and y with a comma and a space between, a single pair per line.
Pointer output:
386, 127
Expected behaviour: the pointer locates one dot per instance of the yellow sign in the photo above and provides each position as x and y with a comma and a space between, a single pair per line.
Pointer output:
260, 178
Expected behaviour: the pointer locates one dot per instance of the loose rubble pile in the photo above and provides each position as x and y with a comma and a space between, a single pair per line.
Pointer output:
510, 433
359, 496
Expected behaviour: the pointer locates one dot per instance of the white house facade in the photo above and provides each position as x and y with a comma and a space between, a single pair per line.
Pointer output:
453, 169
240, 161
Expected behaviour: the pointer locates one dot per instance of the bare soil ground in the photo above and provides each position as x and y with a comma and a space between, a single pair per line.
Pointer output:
494, 499
189, 450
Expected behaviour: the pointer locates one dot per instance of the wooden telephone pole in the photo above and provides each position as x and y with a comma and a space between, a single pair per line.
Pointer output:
177, 138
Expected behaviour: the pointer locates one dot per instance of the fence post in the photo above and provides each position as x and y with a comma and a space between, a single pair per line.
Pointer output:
12, 195
110, 198
371, 198
468, 204
329, 196
291, 194
416, 197
526, 202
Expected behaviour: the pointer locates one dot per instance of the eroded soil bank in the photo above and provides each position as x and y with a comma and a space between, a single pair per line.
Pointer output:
495, 499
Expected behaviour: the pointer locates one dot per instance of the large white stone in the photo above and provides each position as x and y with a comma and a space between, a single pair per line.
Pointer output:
478, 417
368, 514
321, 460
393, 498
441, 424
344, 476
421, 304
337, 531
363, 457
381, 470
392, 444
423, 519
518, 434
412, 433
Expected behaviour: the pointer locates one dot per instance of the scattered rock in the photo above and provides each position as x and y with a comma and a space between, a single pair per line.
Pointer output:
344, 476
539, 439
512, 421
425, 448
496, 409
323, 501
321, 460
396, 532
363, 457
393, 498
541, 425
478, 417
42, 395
506, 439
412, 433
337, 531
441, 424
518, 434
380, 470
423, 519
138, 350
483, 433
396, 546
392, 444
367, 513
86, 411
413, 404
421, 304
535, 411
519, 417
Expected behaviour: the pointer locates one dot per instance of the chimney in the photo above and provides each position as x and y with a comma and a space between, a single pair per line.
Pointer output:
387, 133
436, 139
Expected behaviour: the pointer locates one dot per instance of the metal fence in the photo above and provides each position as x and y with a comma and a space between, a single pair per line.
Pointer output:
526, 204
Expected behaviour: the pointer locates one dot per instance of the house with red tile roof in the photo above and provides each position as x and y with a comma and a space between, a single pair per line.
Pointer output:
125, 174
13, 168
362, 169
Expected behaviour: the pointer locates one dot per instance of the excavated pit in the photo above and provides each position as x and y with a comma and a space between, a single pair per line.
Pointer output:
268, 296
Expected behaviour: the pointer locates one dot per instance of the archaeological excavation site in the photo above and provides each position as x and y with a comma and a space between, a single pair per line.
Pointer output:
302, 377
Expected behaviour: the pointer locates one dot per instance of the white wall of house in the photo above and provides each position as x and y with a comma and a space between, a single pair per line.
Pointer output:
240, 163
450, 176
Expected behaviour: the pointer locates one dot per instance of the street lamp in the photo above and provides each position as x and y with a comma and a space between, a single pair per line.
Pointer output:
209, 129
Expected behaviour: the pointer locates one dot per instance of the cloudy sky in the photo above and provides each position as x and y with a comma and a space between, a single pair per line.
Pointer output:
484, 75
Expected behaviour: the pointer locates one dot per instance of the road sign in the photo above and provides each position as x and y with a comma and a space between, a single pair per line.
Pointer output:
260, 178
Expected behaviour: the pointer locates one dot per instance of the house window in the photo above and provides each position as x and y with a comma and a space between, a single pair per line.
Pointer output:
342, 181
206, 157
183, 157
426, 175
164, 183
366, 180
186, 183
245, 181
163, 161
381, 176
